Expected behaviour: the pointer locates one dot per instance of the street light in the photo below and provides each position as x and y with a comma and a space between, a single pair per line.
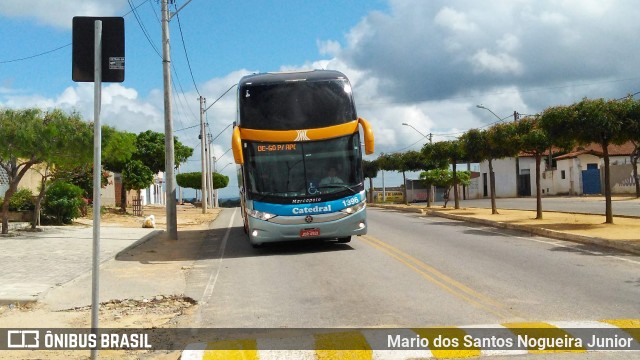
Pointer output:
224, 167
515, 113
430, 136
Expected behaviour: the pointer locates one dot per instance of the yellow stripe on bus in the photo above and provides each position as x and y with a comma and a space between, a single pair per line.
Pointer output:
353, 340
299, 135
231, 349
538, 332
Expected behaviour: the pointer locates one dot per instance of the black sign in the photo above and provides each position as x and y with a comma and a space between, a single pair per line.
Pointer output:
112, 48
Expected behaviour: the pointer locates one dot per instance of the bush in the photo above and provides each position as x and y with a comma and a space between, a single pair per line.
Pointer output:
63, 202
21, 200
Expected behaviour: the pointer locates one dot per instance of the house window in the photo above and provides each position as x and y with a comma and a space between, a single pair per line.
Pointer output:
563, 174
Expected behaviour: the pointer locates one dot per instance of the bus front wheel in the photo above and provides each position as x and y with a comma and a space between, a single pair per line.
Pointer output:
344, 240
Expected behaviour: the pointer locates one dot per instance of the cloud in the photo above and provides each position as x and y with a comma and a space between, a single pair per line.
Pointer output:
502, 63
328, 47
60, 13
434, 50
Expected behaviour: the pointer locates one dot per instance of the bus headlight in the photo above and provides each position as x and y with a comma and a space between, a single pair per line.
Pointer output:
260, 215
355, 208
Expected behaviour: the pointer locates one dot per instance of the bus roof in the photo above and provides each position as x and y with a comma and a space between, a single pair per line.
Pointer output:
277, 77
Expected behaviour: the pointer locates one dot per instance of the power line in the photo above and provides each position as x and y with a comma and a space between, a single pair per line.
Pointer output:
34, 56
144, 30
188, 127
63, 46
186, 55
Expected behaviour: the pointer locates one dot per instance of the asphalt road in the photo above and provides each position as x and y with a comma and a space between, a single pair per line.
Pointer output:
413, 271
588, 205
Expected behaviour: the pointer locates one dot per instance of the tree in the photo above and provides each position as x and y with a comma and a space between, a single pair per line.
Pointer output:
150, 150
370, 170
388, 162
445, 178
599, 121
193, 180
534, 141
31, 136
411, 161
118, 148
497, 142
137, 176
503, 142
219, 181
453, 152
63, 201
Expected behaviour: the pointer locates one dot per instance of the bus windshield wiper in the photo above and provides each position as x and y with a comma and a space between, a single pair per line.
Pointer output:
342, 186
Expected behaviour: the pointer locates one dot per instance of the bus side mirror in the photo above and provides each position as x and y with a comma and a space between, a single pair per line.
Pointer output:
368, 136
236, 145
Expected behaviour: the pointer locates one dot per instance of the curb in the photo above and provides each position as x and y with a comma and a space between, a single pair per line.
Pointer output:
582, 239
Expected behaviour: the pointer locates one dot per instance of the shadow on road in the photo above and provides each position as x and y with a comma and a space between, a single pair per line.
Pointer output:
591, 250
207, 244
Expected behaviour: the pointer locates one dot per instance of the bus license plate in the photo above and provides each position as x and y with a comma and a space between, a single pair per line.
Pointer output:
309, 232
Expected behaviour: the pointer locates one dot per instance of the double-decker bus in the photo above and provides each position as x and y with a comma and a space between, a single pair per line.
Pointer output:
297, 141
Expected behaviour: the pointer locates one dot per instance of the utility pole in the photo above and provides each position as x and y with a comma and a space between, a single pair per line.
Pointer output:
203, 154
214, 161
209, 167
172, 220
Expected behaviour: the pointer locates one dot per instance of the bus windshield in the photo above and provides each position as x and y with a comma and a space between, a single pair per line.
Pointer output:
296, 104
285, 172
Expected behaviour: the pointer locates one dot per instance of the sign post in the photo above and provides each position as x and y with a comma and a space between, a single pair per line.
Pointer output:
111, 54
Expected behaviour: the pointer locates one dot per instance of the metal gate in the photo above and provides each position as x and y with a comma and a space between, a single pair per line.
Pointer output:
137, 206
591, 181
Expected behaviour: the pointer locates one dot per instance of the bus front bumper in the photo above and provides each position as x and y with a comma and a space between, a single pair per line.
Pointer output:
265, 231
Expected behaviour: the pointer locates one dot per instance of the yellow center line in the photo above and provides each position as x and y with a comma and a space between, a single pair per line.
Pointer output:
445, 282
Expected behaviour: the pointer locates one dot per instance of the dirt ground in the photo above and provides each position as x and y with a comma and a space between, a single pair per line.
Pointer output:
580, 224
160, 311
189, 217
623, 229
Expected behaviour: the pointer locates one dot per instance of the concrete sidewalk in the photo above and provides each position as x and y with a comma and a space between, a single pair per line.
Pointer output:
623, 235
33, 263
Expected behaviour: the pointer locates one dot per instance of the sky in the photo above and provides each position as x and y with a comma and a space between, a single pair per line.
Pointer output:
424, 63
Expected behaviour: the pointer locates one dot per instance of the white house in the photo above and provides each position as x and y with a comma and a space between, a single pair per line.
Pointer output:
581, 171
576, 173
514, 177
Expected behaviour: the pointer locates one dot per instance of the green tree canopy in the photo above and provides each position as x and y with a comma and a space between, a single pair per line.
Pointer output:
32, 136
193, 180
137, 175
150, 150
219, 181
444, 178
